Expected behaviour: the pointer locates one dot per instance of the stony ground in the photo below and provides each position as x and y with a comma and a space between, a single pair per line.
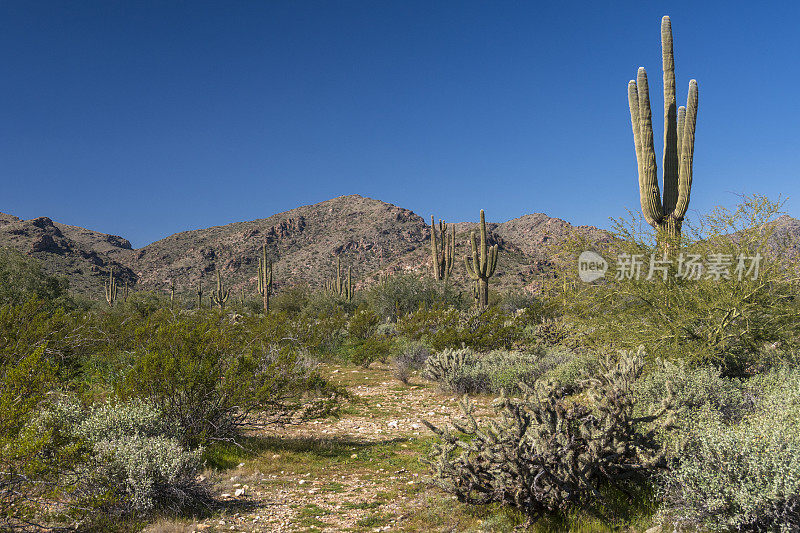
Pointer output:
358, 472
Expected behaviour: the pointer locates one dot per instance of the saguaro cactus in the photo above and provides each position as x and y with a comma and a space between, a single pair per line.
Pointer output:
484, 262
442, 260
679, 128
220, 295
338, 286
172, 294
111, 288
264, 277
199, 294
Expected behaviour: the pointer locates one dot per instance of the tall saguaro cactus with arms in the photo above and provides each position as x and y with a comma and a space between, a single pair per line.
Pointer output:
679, 128
484, 262
442, 259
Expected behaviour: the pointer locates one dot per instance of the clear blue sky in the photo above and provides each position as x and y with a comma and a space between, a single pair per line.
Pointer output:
145, 118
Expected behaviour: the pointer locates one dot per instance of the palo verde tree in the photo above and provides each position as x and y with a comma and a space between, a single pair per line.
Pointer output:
484, 262
679, 128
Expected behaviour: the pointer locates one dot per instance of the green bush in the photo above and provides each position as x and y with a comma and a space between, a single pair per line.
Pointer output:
444, 327
741, 475
203, 375
401, 294
721, 322
22, 279
363, 324
366, 352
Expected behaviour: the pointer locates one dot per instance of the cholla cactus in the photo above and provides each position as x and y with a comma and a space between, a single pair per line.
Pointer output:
679, 129
542, 453
446, 365
220, 295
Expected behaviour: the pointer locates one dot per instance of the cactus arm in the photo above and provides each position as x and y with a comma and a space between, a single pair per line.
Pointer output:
670, 161
687, 152
434, 251
681, 123
450, 253
492, 261
633, 104
472, 268
483, 263
649, 193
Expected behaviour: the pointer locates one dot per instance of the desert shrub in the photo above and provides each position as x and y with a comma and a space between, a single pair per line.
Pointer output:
22, 279
401, 294
542, 453
438, 326
363, 324
202, 374
724, 322
143, 303
34, 324
137, 464
744, 475
411, 356
445, 327
367, 351
291, 300
694, 388
321, 335
31, 462
568, 368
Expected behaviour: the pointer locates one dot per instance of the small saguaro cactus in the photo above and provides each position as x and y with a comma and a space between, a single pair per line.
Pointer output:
172, 294
679, 127
220, 295
264, 277
200, 294
111, 288
483, 264
338, 286
442, 260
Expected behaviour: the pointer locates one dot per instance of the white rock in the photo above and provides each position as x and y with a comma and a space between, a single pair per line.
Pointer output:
238, 492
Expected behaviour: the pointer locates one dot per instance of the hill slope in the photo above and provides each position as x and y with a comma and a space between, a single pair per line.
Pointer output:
368, 235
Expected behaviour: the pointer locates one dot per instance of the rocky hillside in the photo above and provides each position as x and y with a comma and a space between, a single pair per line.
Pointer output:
369, 235
81, 255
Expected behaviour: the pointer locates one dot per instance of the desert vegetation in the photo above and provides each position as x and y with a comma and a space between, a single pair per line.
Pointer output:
421, 400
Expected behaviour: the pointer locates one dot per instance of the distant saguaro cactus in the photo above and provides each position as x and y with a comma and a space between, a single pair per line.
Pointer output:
679, 129
442, 260
483, 264
264, 277
199, 294
220, 295
338, 286
172, 294
111, 288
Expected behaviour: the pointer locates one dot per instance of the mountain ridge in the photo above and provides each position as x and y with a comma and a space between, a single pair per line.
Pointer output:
367, 234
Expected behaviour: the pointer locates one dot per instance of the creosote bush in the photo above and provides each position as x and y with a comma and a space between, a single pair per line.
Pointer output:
543, 453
